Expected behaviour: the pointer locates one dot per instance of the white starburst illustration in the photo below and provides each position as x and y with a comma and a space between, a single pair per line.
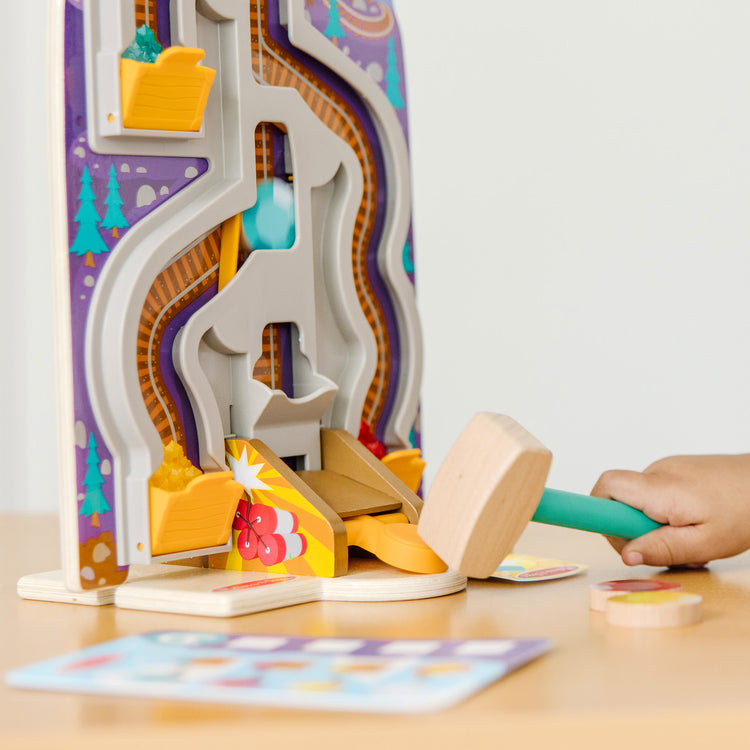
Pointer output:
246, 473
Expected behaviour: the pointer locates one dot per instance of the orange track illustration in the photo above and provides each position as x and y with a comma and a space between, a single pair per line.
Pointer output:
190, 275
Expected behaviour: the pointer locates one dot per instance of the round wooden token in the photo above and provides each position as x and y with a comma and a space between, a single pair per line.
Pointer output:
654, 609
599, 593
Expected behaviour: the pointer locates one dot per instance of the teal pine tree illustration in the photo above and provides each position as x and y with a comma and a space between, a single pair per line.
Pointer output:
334, 31
88, 241
392, 78
94, 502
114, 218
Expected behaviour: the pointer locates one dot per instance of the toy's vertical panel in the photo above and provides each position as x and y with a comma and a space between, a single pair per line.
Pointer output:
79, 247
87, 523
101, 194
365, 51
56, 82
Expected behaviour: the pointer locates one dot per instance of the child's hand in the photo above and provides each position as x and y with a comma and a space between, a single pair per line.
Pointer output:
705, 500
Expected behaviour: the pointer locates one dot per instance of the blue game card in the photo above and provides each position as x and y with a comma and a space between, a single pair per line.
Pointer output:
349, 674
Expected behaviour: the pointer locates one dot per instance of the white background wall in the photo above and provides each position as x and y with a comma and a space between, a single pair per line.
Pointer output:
582, 217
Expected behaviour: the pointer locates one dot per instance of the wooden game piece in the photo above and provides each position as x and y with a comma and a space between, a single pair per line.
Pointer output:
491, 485
268, 478
346, 496
599, 593
654, 609
343, 453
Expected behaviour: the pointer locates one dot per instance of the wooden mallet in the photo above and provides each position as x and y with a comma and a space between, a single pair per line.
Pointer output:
491, 485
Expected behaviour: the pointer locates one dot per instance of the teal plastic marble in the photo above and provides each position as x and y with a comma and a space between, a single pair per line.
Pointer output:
596, 514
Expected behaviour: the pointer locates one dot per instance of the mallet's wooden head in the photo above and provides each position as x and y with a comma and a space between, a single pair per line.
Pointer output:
484, 494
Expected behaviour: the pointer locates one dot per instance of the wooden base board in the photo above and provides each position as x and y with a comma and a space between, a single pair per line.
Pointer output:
228, 593
50, 587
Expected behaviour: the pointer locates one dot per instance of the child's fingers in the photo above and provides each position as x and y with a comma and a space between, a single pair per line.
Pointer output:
668, 546
633, 488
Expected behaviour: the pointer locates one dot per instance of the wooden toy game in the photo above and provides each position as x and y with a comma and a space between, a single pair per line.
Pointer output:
234, 300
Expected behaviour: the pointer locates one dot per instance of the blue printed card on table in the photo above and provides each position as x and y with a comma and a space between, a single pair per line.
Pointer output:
348, 674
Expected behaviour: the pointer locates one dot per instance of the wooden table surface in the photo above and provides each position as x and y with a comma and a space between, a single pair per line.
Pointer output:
599, 685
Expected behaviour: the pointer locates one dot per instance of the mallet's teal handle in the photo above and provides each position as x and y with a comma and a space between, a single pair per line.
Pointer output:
595, 514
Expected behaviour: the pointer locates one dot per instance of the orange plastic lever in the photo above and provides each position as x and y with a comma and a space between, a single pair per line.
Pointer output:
392, 539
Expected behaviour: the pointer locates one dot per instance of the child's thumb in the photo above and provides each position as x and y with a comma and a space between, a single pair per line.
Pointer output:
667, 546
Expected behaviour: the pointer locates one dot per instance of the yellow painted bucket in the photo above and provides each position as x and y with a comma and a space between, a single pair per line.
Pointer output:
199, 516
169, 94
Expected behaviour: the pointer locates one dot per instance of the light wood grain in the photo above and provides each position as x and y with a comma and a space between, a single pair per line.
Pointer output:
654, 609
347, 497
484, 494
344, 454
